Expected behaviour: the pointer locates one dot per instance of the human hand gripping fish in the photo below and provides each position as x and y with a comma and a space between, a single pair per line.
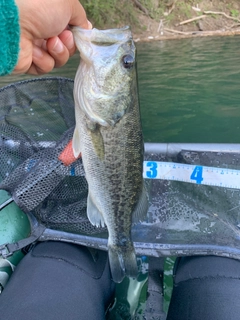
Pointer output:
108, 135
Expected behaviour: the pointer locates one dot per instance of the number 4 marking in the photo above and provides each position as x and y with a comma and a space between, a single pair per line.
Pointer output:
197, 174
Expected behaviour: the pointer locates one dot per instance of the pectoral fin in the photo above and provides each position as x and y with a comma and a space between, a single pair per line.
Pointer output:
94, 215
76, 143
98, 143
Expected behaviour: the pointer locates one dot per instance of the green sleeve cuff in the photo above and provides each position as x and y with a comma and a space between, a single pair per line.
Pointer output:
10, 36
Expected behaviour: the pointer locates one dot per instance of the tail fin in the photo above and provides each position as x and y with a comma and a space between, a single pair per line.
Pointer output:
123, 262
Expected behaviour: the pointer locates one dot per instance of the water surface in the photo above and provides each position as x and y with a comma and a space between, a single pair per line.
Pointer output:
189, 89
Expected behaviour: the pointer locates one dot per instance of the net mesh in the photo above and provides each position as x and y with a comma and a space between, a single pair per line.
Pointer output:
36, 126
37, 169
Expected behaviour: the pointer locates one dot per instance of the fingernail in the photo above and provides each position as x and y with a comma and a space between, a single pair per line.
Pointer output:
89, 25
58, 47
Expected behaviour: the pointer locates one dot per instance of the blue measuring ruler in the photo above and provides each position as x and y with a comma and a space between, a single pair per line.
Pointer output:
220, 177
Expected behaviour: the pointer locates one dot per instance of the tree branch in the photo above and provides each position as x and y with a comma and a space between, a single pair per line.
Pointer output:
141, 7
190, 20
223, 14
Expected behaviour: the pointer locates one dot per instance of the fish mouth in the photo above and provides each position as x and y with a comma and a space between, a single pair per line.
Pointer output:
88, 42
101, 37
87, 39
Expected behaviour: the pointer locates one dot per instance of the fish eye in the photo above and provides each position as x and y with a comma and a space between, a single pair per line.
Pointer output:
128, 61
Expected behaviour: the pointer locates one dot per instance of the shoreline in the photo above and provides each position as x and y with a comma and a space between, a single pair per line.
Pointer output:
175, 34
183, 20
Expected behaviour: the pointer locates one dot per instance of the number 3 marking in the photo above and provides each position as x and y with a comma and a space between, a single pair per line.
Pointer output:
152, 172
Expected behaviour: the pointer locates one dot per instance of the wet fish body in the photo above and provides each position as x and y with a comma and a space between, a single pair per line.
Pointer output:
108, 133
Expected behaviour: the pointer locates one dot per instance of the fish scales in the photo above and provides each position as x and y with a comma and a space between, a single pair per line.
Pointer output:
109, 136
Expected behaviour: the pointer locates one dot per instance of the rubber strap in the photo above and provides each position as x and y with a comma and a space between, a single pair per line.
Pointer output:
6, 250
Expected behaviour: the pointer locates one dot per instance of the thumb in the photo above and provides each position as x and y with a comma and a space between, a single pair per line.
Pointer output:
78, 17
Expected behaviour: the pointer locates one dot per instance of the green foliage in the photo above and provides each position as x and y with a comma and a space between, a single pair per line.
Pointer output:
155, 8
117, 13
110, 13
100, 12
234, 13
185, 9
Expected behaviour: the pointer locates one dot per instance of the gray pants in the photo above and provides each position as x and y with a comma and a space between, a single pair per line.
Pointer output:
58, 281
205, 288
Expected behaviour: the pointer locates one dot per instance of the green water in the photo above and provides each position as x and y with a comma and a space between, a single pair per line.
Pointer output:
189, 89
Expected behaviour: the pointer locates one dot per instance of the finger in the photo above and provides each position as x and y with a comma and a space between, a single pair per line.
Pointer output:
41, 43
25, 57
79, 17
58, 51
67, 39
42, 62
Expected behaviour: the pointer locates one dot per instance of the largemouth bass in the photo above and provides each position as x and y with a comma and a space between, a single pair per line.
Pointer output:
108, 134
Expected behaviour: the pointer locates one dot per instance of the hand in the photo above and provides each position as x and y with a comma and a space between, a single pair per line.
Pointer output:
46, 42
